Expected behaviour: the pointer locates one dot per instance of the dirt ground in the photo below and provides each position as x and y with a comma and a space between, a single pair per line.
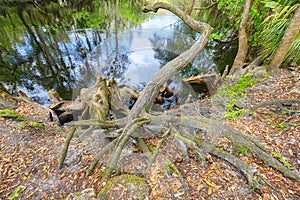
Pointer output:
29, 156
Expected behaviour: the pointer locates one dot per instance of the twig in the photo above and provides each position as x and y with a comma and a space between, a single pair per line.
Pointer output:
205, 8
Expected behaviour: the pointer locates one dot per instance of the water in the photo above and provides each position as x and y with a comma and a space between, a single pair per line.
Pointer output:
133, 56
65, 51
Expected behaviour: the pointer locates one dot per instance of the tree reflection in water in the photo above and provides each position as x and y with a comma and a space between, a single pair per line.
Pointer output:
45, 45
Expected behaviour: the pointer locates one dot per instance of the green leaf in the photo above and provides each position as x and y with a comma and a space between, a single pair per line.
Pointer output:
270, 4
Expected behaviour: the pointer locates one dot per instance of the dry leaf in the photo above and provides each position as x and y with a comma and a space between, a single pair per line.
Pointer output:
209, 191
291, 152
204, 176
210, 183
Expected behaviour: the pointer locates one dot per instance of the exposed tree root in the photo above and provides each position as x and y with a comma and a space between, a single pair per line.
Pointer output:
155, 152
65, 148
128, 131
129, 123
170, 164
99, 156
281, 103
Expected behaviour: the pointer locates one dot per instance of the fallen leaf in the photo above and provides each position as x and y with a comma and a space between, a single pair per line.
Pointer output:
209, 191
210, 183
290, 152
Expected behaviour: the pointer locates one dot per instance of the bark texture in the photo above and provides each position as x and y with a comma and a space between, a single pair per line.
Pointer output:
243, 44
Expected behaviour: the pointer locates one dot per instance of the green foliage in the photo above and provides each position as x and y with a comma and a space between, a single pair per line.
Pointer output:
273, 28
280, 158
280, 125
10, 114
243, 83
17, 192
244, 150
293, 53
234, 94
267, 22
232, 115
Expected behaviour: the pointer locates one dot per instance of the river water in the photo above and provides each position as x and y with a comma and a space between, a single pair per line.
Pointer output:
40, 57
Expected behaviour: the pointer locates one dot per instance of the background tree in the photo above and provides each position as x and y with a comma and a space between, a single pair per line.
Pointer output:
243, 43
267, 22
287, 40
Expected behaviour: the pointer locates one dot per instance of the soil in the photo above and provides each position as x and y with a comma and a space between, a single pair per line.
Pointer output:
29, 156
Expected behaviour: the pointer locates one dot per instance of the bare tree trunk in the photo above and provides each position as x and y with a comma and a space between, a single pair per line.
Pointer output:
286, 41
243, 45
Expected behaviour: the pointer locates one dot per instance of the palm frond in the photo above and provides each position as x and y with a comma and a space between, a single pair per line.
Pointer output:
274, 29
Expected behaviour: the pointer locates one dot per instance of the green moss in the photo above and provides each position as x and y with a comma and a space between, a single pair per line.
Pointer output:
36, 124
244, 150
137, 187
10, 114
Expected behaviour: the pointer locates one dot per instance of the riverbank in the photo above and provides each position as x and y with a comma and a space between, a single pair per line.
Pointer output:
29, 155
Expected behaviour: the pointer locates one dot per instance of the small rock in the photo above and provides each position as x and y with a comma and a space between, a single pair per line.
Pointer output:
86, 194
125, 186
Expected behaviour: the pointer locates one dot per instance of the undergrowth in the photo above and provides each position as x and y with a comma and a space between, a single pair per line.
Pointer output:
234, 94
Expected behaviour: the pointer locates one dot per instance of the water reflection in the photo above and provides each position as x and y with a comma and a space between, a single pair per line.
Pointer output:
42, 46
63, 48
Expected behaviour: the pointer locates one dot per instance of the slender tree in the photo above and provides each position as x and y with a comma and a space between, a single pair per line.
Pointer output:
243, 45
286, 41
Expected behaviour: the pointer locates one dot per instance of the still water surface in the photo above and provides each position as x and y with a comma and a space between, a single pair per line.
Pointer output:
69, 60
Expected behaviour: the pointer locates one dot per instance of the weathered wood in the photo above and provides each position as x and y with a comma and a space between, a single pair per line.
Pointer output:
117, 106
54, 96
149, 93
151, 90
7, 101
279, 102
100, 100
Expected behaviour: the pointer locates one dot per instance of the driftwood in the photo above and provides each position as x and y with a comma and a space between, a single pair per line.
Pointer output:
204, 83
127, 123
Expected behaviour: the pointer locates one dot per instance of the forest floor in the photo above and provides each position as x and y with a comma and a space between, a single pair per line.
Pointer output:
29, 156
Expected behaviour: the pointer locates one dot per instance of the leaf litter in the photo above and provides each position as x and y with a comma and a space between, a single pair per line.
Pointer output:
28, 156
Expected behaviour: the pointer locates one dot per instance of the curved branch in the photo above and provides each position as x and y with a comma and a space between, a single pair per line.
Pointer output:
167, 71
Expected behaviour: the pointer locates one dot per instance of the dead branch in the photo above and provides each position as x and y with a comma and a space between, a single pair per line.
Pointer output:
205, 8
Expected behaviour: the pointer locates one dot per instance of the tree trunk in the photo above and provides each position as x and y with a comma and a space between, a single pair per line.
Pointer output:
286, 41
243, 45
